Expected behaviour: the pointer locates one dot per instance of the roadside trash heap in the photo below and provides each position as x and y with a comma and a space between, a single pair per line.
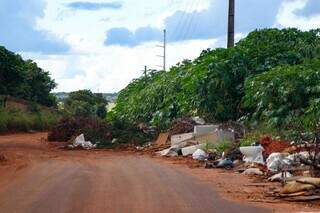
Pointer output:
267, 159
199, 143
291, 165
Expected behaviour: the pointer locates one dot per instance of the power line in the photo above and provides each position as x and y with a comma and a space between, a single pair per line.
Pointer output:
181, 23
164, 46
192, 18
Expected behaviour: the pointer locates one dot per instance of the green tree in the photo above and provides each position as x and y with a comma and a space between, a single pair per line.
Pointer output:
86, 103
24, 79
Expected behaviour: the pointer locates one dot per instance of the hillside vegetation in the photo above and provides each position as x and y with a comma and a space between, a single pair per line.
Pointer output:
270, 76
24, 79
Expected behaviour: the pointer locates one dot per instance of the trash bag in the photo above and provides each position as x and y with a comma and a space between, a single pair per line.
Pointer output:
200, 155
80, 142
277, 161
252, 154
226, 164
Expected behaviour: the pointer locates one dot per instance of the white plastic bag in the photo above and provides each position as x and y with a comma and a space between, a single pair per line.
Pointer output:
80, 142
276, 162
199, 155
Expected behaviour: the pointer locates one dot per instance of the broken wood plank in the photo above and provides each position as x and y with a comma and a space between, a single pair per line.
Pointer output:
303, 198
259, 184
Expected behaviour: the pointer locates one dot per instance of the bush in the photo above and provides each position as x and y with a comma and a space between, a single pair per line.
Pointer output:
98, 131
94, 130
212, 86
286, 97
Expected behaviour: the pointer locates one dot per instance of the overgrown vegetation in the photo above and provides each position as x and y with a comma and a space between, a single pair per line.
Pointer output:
20, 121
216, 85
25, 80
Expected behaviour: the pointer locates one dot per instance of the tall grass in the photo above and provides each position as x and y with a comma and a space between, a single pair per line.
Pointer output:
20, 121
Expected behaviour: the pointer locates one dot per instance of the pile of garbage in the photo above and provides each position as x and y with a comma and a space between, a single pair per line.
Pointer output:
268, 159
198, 143
279, 161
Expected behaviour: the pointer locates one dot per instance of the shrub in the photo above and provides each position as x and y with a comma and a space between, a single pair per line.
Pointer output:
286, 97
212, 86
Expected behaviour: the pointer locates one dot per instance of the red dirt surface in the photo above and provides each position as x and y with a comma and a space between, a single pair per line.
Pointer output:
240, 188
40, 177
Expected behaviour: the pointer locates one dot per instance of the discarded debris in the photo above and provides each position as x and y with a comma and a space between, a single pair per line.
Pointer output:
170, 152
191, 149
225, 163
204, 129
252, 154
162, 139
280, 176
253, 171
198, 120
200, 155
277, 161
80, 142
178, 139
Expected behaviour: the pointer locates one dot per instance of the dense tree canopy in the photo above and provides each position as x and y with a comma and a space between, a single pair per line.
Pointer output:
24, 79
86, 103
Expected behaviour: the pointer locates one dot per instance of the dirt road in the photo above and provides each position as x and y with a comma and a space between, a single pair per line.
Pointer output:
41, 179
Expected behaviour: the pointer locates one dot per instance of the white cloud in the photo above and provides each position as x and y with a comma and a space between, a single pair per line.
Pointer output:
110, 69
287, 16
91, 65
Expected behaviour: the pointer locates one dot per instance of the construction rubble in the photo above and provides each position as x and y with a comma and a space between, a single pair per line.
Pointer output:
295, 167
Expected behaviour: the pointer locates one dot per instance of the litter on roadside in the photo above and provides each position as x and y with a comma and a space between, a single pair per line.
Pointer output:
252, 154
282, 176
200, 155
253, 171
80, 142
191, 149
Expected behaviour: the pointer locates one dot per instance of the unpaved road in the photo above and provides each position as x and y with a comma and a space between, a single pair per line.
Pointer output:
42, 179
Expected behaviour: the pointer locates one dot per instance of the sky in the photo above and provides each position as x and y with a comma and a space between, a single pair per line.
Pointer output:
102, 45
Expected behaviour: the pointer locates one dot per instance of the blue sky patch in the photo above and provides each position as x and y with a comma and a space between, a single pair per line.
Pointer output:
94, 5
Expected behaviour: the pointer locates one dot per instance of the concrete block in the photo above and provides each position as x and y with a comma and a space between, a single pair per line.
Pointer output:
204, 129
225, 135
177, 139
210, 138
191, 149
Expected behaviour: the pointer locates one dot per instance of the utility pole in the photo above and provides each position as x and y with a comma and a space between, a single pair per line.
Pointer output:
231, 15
145, 71
164, 49
164, 46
